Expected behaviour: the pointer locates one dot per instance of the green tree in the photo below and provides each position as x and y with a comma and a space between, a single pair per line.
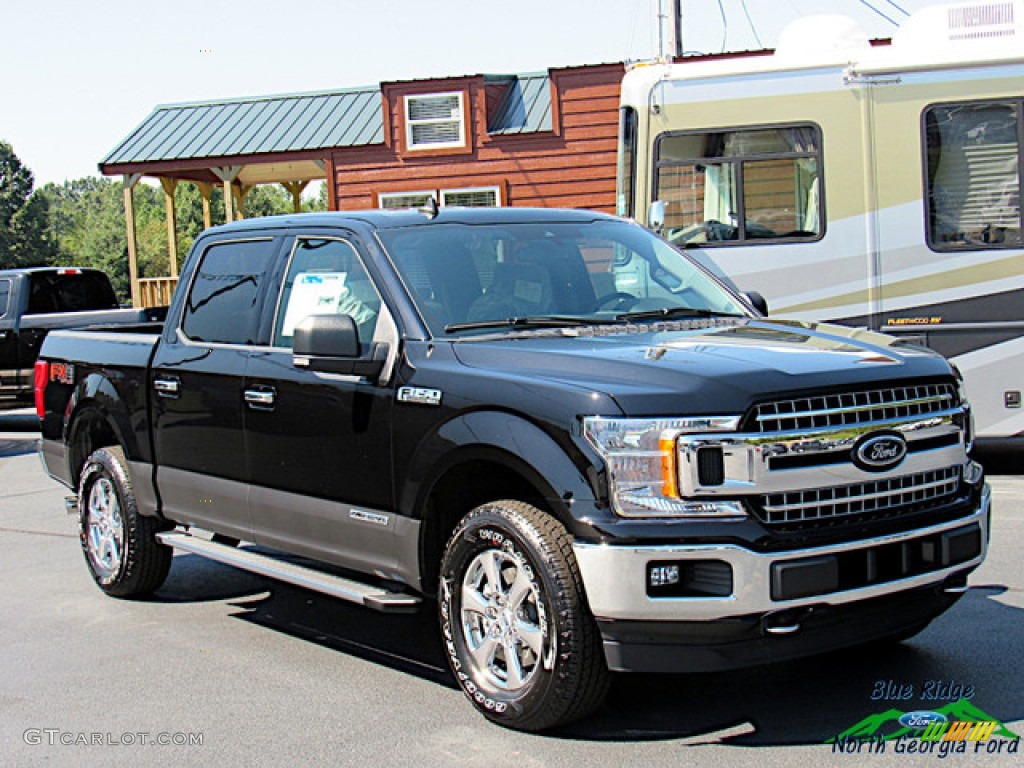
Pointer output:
267, 200
317, 202
189, 203
25, 239
87, 223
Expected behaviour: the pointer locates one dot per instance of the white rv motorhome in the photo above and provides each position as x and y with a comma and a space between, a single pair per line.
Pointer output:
874, 184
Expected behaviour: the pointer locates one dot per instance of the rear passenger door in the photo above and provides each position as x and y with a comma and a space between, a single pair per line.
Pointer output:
318, 444
198, 378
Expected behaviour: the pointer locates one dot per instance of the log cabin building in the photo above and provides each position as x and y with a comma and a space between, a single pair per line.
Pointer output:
542, 139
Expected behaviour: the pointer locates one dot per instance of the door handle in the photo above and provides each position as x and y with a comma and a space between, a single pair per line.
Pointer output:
260, 399
167, 387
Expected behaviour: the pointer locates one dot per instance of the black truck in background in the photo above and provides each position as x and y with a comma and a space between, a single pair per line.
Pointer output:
38, 300
587, 449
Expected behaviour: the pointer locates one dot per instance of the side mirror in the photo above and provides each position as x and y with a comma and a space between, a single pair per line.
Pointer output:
656, 217
330, 343
757, 301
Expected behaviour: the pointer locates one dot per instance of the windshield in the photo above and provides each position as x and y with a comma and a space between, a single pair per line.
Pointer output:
466, 278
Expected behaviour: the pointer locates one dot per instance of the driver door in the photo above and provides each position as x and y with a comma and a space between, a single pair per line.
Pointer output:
319, 444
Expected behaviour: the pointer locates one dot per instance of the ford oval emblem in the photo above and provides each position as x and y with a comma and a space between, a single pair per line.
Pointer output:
879, 451
921, 720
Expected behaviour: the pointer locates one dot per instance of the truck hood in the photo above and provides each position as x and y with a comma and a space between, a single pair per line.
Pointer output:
716, 367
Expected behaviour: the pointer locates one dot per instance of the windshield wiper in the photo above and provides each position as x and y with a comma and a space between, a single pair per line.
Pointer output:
671, 313
534, 321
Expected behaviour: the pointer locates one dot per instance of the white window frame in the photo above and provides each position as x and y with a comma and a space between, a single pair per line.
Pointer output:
472, 190
440, 195
383, 196
458, 120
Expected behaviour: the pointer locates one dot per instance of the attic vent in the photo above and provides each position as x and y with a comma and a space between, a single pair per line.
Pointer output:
979, 22
434, 121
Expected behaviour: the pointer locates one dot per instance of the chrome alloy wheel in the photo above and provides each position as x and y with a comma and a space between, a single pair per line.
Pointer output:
502, 620
104, 529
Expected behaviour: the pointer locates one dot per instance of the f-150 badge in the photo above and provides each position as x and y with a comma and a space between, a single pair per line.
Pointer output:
419, 395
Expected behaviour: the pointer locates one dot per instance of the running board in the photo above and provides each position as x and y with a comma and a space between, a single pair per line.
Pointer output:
266, 565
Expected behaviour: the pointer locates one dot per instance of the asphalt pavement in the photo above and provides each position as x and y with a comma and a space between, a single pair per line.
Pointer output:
222, 667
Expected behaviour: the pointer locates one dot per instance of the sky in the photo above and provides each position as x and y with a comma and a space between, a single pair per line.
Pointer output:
79, 76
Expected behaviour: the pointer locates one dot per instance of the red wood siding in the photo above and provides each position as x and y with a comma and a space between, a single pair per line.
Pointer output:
571, 166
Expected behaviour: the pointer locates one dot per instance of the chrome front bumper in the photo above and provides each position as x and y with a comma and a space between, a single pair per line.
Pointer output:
615, 577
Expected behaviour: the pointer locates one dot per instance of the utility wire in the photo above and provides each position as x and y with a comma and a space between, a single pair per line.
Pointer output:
753, 29
725, 24
898, 8
866, 4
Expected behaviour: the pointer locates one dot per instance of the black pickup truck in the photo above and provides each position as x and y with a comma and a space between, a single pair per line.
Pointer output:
592, 454
37, 300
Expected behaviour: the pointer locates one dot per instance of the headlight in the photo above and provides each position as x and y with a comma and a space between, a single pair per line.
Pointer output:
643, 473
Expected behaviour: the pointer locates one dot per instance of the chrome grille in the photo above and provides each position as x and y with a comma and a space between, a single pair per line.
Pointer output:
823, 506
844, 409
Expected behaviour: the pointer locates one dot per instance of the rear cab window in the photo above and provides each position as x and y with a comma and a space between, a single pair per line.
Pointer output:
70, 290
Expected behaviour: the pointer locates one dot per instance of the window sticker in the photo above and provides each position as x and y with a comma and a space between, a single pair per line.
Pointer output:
314, 293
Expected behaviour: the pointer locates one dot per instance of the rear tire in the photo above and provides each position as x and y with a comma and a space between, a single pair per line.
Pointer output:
119, 544
517, 630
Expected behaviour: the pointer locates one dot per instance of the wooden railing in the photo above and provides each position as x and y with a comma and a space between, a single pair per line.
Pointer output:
156, 291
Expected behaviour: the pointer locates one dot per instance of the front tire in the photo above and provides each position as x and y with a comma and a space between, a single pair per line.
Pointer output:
518, 633
119, 544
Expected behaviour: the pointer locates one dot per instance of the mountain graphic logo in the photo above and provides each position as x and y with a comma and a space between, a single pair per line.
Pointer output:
885, 726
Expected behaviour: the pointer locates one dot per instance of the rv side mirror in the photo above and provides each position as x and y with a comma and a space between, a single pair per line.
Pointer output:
757, 301
330, 343
656, 217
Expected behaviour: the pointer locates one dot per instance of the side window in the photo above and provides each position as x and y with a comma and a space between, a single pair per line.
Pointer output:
325, 276
722, 187
5, 292
223, 302
973, 186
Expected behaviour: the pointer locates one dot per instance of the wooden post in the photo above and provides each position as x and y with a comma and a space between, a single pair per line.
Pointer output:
130, 180
206, 192
228, 174
241, 191
229, 201
170, 186
332, 190
295, 188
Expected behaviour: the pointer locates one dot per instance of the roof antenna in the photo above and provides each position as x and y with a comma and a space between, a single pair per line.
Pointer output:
429, 208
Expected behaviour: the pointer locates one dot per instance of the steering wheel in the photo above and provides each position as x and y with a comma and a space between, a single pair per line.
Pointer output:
710, 231
616, 300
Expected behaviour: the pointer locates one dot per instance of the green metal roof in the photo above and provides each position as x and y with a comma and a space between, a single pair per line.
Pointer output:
526, 107
302, 121
251, 126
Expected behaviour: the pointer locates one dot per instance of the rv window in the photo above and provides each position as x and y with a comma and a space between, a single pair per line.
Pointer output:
762, 184
973, 156
627, 161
